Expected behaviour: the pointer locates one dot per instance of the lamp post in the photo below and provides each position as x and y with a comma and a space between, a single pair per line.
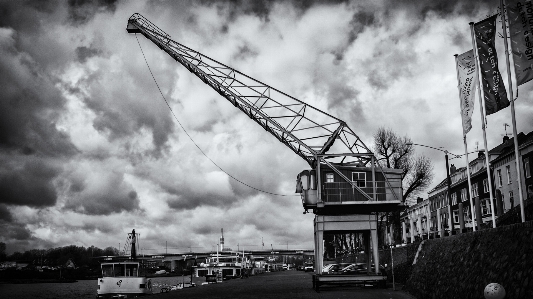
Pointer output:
448, 182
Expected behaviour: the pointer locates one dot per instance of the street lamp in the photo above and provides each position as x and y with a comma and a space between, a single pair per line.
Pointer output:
448, 181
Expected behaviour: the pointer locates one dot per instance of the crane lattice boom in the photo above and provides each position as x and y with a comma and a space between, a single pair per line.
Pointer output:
311, 133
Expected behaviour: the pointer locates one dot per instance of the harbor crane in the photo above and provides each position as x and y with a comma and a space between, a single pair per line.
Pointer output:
344, 187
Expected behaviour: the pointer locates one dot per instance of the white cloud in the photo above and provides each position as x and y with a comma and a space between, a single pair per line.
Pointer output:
132, 166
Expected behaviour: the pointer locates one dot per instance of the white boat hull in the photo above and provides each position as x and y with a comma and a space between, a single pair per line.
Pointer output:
123, 287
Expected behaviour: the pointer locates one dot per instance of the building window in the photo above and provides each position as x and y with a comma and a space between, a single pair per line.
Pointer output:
485, 186
475, 189
499, 173
511, 198
508, 170
455, 217
484, 207
454, 198
526, 167
329, 177
359, 178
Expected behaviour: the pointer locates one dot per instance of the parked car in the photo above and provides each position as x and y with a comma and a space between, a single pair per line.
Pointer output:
357, 268
309, 267
300, 268
330, 269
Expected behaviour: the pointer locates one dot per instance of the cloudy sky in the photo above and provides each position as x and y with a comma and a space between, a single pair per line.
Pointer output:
89, 150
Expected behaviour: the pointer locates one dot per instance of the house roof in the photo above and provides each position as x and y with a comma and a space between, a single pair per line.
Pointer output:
502, 150
507, 147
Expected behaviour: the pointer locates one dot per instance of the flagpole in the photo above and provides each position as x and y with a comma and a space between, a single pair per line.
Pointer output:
466, 153
513, 117
482, 113
472, 214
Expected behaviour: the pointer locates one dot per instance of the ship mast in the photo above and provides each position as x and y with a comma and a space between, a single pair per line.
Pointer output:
133, 237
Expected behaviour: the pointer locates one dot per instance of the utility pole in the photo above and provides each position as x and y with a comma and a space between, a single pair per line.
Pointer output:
448, 183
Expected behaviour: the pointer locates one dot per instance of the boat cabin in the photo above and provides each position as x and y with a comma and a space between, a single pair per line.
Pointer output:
122, 279
225, 265
120, 269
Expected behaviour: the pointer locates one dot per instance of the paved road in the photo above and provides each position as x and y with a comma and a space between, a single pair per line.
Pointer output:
279, 285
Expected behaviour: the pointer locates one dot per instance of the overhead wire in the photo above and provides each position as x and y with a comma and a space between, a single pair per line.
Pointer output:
183, 128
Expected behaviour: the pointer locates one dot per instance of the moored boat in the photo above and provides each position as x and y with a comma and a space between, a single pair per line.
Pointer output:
123, 278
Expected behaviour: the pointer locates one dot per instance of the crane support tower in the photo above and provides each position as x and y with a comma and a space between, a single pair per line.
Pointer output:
344, 186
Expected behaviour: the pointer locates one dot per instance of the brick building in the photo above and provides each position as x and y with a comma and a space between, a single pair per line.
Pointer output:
430, 218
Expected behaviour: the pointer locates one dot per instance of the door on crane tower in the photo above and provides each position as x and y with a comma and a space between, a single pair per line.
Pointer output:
306, 185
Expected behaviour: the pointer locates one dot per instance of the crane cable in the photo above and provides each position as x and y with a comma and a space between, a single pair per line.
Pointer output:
183, 128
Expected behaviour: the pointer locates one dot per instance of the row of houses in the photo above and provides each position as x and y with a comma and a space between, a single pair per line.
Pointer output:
430, 218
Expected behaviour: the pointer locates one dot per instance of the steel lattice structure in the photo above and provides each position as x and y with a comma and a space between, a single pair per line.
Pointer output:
311, 133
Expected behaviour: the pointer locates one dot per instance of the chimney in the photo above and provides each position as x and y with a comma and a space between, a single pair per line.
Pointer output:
222, 239
505, 138
453, 169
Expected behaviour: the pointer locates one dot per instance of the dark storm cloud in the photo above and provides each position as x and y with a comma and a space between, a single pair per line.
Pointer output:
103, 195
306, 4
259, 8
397, 66
91, 228
360, 20
130, 119
5, 215
189, 200
82, 11
18, 232
244, 52
442, 8
30, 105
85, 53
206, 228
28, 183
345, 99
121, 112
23, 15
35, 23
113, 202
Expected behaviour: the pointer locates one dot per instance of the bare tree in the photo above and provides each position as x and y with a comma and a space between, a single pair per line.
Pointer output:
393, 151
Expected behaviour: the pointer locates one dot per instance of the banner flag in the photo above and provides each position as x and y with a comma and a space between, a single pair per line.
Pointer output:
467, 77
520, 16
494, 92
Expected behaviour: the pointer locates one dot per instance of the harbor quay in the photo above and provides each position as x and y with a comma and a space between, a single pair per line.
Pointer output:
282, 284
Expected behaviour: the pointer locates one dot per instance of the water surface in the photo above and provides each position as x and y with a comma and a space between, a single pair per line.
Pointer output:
83, 289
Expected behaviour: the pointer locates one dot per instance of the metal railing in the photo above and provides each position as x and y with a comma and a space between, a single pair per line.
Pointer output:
344, 192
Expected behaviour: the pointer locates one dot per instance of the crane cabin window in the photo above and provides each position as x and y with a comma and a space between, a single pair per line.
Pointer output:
359, 178
329, 177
